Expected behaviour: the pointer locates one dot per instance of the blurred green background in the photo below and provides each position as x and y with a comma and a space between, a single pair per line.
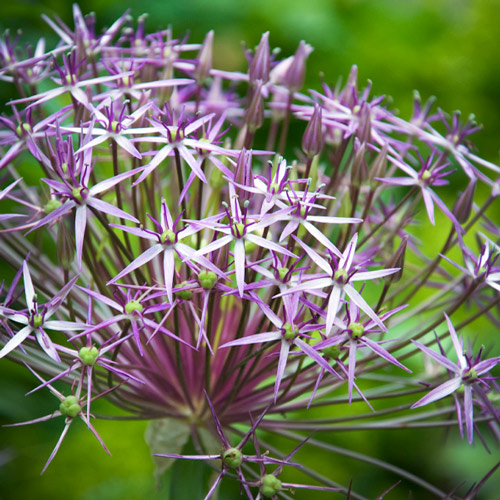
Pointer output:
446, 48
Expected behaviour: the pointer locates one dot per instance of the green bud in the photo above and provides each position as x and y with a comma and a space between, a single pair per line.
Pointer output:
232, 458
207, 279
332, 351
114, 125
88, 355
216, 179
184, 294
65, 245
132, 306
270, 485
250, 246
51, 205
357, 330
70, 407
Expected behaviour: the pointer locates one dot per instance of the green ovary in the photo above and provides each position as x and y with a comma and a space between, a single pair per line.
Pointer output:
70, 407
232, 458
88, 355
332, 351
133, 306
207, 279
270, 485
357, 330
168, 236
184, 294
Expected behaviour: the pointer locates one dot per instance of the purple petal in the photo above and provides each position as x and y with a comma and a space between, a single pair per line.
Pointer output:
145, 257
438, 357
80, 224
316, 258
439, 392
215, 245
333, 306
322, 238
468, 412
285, 348
270, 245
66, 207
371, 275
352, 366
103, 206
192, 162
127, 145
347, 257
16, 340
429, 206
136, 231
109, 183
168, 271
57, 446
29, 291
315, 356
362, 304
239, 264
46, 344
383, 353
486, 365
258, 338
456, 343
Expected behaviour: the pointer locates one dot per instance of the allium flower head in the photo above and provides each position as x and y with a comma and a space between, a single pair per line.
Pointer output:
179, 252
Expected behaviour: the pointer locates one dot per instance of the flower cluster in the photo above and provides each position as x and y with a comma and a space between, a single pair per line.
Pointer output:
178, 255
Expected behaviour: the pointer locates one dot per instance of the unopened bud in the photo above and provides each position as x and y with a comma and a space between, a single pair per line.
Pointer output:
312, 141
51, 205
350, 90
463, 206
296, 72
65, 245
365, 125
397, 260
379, 166
254, 116
261, 62
358, 170
204, 65
243, 173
